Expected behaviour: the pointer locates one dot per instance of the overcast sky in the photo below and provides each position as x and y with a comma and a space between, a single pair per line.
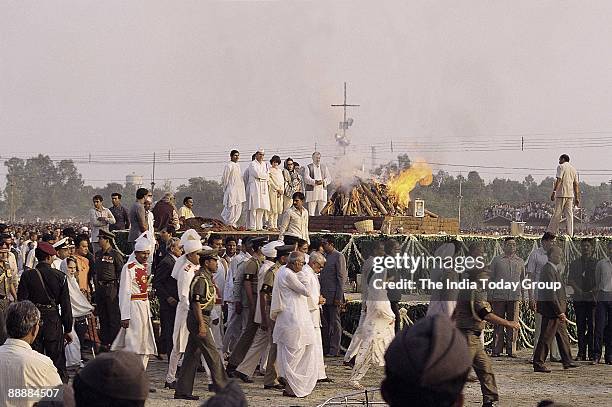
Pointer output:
119, 79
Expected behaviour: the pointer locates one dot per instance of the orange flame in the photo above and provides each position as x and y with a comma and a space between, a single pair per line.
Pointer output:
401, 184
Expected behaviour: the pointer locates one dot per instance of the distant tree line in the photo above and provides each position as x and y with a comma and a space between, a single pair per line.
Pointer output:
40, 187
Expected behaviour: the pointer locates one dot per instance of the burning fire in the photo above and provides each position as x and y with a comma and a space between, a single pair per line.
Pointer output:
401, 184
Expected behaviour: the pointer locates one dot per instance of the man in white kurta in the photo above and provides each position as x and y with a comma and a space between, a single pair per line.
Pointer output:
316, 262
258, 200
233, 190
136, 333
316, 180
183, 271
294, 333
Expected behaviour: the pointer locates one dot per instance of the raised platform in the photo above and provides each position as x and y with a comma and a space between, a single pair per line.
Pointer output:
393, 224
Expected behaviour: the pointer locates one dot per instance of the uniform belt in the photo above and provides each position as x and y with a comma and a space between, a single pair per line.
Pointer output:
141, 296
46, 307
107, 282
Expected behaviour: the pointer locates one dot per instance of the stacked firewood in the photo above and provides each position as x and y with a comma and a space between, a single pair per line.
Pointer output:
364, 198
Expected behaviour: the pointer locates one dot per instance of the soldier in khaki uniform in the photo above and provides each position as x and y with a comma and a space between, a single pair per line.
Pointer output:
249, 301
470, 314
8, 280
202, 296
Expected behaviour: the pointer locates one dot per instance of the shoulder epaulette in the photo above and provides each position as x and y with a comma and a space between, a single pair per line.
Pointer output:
131, 265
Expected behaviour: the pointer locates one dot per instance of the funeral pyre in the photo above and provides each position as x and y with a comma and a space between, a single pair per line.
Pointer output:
373, 198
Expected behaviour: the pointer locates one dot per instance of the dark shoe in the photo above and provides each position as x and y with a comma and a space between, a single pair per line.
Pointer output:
555, 360
596, 360
350, 363
277, 386
489, 404
286, 394
243, 377
231, 370
170, 385
541, 369
152, 390
326, 380
185, 397
570, 366
580, 358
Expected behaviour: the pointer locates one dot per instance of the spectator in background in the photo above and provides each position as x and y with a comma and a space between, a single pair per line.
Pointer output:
233, 190
164, 211
603, 309
565, 194
8, 282
165, 235
333, 278
85, 261
99, 218
186, 211
137, 216
122, 220
21, 367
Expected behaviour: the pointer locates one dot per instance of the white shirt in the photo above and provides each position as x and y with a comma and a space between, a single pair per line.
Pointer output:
567, 173
22, 367
535, 264
96, 225
294, 224
603, 275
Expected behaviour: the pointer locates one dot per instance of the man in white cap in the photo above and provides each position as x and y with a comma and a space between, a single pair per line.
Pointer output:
260, 344
62, 249
258, 200
136, 334
316, 180
233, 190
183, 272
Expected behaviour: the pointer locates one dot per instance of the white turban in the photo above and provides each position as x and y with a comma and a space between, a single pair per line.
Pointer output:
269, 249
191, 241
143, 244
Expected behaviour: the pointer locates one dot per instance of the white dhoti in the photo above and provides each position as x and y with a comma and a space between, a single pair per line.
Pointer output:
318, 354
138, 337
315, 207
179, 340
231, 214
297, 367
357, 338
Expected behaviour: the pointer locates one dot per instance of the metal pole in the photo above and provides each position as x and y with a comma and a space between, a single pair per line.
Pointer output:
460, 198
153, 175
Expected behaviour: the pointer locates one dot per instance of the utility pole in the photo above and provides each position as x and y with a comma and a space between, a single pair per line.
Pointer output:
344, 124
153, 175
460, 197
373, 157
12, 200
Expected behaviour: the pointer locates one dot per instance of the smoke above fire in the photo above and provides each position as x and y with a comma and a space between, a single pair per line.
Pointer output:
403, 183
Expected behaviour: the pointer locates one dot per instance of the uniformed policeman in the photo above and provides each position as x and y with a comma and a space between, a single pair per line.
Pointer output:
107, 272
271, 376
8, 279
47, 288
471, 312
249, 301
202, 295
